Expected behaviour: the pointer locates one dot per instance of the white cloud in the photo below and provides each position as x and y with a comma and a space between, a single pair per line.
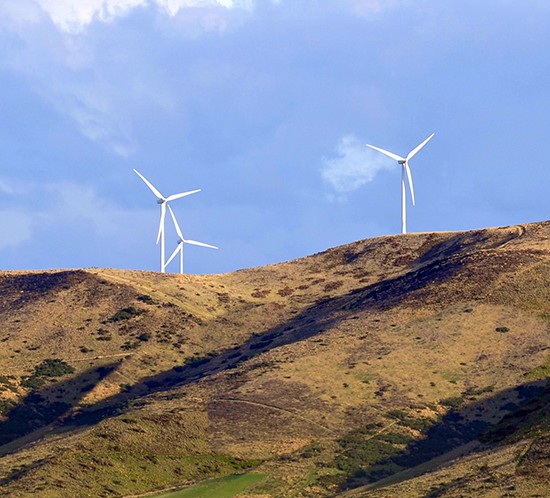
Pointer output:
72, 16
102, 86
370, 8
354, 166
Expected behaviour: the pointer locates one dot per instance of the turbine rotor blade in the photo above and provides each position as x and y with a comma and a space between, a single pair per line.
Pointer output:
387, 153
409, 177
179, 196
150, 185
413, 152
176, 250
162, 217
178, 230
202, 244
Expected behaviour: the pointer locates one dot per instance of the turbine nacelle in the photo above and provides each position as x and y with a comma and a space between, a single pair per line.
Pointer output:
162, 202
405, 173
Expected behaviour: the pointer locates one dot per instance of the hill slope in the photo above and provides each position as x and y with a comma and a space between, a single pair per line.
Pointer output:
385, 360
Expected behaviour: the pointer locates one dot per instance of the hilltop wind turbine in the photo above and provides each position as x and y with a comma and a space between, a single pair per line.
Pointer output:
181, 242
163, 202
405, 170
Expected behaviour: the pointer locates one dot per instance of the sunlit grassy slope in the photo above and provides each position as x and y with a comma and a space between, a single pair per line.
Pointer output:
395, 366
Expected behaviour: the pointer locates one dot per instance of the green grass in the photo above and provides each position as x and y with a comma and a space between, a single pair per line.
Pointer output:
540, 372
226, 487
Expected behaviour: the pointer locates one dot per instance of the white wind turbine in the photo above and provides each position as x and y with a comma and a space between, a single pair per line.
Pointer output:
181, 242
163, 202
405, 170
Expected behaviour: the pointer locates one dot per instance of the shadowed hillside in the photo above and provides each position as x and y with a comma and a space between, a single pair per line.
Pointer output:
410, 365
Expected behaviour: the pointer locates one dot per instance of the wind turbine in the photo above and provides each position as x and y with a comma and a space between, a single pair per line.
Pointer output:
181, 242
163, 202
405, 170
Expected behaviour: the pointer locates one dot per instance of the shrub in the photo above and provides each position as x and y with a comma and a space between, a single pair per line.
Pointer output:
196, 362
311, 450
452, 402
53, 368
287, 291
33, 382
333, 285
127, 346
260, 293
125, 314
502, 329
5, 406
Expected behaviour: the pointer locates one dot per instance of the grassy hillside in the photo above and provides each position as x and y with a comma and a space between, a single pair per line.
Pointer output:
411, 365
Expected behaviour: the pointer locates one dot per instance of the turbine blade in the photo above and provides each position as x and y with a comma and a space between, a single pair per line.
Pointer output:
409, 177
385, 152
178, 230
413, 152
202, 244
150, 185
176, 250
179, 196
162, 216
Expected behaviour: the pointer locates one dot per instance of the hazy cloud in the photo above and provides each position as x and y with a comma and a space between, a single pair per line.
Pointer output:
15, 227
72, 16
354, 165
368, 8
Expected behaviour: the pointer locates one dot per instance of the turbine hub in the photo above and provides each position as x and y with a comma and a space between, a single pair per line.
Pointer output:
160, 201
401, 162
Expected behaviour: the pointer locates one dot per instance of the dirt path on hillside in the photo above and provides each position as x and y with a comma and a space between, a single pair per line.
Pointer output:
521, 232
275, 408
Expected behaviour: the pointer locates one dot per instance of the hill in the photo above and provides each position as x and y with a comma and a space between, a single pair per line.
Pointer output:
410, 365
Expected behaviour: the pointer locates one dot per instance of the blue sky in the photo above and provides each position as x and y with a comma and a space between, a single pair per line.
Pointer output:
266, 106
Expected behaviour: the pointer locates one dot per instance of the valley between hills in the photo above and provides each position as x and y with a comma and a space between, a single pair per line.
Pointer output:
401, 366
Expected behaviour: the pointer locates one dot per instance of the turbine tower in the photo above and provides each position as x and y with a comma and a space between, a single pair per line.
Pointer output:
405, 171
162, 201
181, 242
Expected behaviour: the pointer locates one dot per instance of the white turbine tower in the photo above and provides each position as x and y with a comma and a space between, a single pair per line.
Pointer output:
162, 201
405, 170
181, 242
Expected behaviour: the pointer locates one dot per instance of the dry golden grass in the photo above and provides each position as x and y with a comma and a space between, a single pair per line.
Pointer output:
301, 365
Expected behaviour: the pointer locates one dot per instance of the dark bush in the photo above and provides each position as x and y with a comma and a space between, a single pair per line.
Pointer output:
125, 314
333, 285
311, 450
33, 382
502, 329
127, 346
452, 402
5, 406
53, 368
196, 362
144, 336
260, 293
287, 291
